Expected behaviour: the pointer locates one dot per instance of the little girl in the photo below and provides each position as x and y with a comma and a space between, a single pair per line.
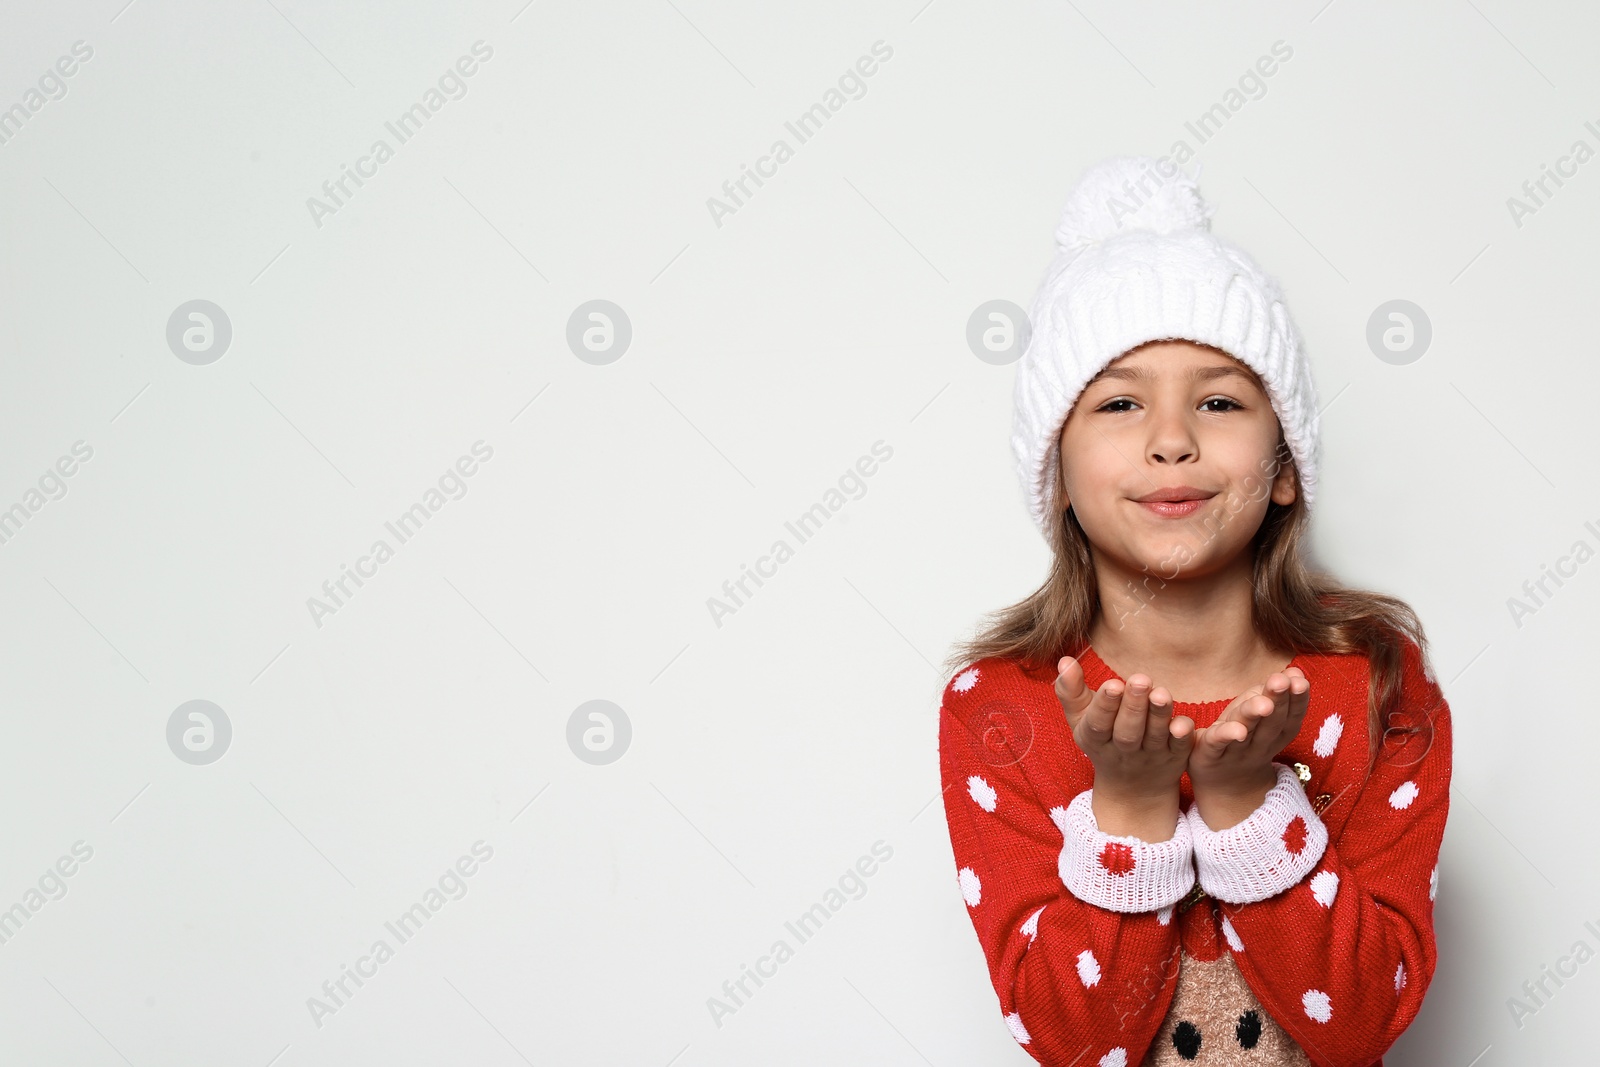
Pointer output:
1159, 872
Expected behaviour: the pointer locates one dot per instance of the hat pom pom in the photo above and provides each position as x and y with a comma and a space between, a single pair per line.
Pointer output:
1130, 193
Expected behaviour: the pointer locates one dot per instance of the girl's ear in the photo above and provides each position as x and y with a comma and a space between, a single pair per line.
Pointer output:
1286, 483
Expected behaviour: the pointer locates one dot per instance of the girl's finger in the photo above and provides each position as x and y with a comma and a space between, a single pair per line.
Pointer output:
1101, 714
1236, 733
1071, 690
1262, 709
1280, 697
1210, 743
1299, 700
1158, 723
1236, 711
1129, 730
1181, 735
1240, 712
1265, 707
1273, 714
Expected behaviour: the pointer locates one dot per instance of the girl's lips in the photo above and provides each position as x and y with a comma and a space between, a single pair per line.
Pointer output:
1173, 509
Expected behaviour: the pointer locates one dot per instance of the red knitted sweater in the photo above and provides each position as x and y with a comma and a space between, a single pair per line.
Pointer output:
1303, 935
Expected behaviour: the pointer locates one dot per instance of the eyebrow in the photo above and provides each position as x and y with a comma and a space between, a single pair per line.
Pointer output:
1200, 374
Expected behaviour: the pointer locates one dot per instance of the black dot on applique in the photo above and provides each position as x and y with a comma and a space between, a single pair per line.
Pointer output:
1186, 1039
1249, 1029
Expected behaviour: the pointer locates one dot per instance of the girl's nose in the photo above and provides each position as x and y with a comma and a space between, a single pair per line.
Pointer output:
1172, 440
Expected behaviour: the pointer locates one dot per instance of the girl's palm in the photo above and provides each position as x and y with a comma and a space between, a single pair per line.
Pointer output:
1239, 747
1128, 731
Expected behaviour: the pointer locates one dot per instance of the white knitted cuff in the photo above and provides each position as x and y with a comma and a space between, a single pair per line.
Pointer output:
1271, 850
1117, 872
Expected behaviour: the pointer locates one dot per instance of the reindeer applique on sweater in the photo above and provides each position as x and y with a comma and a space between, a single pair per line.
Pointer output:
1232, 947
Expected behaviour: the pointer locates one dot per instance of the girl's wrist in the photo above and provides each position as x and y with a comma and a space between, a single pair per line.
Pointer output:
1149, 817
1226, 804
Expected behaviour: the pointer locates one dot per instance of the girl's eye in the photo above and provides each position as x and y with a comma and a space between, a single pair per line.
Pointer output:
1229, 405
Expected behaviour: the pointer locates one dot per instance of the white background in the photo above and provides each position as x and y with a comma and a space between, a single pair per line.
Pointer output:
769, 753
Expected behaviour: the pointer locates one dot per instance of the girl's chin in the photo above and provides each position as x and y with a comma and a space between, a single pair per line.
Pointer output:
1174, 560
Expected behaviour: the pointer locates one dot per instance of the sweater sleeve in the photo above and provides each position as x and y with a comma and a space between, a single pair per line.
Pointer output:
1335, 936
1079, 982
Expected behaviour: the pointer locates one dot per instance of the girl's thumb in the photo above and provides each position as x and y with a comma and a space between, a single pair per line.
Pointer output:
1069, 693
1185, 741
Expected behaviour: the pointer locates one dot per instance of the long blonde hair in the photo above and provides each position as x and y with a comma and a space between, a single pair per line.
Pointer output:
1293, 607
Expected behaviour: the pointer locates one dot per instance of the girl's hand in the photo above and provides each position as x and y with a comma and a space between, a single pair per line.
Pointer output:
1231, 765
1130, 735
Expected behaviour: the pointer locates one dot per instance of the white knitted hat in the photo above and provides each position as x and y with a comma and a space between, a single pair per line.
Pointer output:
1136, 262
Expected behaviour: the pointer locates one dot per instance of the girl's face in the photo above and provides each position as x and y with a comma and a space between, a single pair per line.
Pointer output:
1173, 415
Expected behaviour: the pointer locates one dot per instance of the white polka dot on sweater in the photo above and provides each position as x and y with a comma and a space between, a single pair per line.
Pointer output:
1117, 1057
965, 680
971, 887
1088, 968
1328, 737
1400, 977
1031, 927
1433, 882
981, 792
1317, 1005
1018, 1031
1324, 887
1402, 797
1164, 916
1232, 935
